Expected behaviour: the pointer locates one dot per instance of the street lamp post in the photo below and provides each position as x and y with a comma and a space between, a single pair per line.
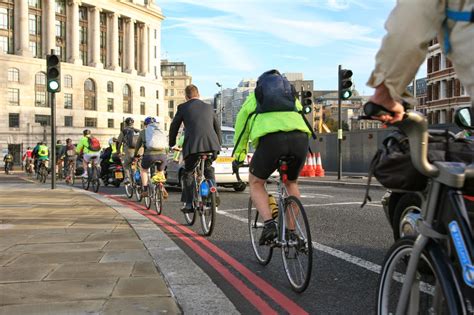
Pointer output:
222, 102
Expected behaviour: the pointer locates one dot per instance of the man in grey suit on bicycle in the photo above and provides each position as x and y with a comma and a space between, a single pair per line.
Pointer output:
202, 135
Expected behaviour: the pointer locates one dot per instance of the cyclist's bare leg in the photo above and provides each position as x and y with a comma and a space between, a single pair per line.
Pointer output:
293, 190
259, 196
144, 176
84, 164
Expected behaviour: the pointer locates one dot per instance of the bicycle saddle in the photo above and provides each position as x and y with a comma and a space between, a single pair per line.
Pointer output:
286, 158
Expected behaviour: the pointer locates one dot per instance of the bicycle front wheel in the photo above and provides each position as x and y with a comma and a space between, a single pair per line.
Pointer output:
150, 196
208, 214
255, 222
297, 252
432, 290
158, 199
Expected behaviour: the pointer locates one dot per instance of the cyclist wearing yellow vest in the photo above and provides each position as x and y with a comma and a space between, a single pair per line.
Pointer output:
274, 134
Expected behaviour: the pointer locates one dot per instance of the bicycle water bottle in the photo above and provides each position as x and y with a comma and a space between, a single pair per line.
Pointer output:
204, 189
273, 206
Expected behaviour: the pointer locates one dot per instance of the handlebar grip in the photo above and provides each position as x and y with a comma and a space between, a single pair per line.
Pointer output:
372, 109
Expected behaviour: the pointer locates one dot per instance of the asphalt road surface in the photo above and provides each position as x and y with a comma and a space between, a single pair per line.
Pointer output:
349, 242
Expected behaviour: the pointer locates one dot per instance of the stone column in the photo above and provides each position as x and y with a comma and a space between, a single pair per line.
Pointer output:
22, 34
113, 40
144, 42
94, 27
73, 32
130, 45
49, 27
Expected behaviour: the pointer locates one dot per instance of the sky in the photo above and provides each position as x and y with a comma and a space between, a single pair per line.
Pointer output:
226, 41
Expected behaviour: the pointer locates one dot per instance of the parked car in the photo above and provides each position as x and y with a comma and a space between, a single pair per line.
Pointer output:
222, 166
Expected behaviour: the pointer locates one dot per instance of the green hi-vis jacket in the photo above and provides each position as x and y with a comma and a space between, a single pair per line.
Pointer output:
259, 125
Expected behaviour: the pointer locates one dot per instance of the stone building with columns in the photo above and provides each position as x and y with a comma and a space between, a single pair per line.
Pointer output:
110, 70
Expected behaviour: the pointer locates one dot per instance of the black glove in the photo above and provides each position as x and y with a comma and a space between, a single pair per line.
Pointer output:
235, 166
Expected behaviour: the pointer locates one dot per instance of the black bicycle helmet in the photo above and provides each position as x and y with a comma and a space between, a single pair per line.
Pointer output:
86, 132
129, 121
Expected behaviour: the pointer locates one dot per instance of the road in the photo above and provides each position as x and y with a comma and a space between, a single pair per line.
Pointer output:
350, 244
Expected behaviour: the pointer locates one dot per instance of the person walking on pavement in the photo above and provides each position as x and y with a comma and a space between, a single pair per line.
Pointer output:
89, 147
202, 135
276, 128
410, 27
154, 143
127, 141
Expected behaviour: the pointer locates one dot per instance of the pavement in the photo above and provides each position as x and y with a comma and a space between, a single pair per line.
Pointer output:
352, 180
68, 251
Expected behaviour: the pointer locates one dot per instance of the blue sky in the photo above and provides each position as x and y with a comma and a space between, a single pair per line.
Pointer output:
227, 40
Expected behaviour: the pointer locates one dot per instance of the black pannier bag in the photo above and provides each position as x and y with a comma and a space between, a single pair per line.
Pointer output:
392, 164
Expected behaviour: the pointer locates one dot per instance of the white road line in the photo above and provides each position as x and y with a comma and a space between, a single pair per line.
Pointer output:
326, 249
316, 205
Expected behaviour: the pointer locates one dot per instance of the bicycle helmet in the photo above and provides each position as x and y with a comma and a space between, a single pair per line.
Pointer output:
129, 121
149, 120
86, 132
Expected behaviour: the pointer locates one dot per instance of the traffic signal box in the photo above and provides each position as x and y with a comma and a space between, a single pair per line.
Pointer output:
53, 73
345, 84
307, 101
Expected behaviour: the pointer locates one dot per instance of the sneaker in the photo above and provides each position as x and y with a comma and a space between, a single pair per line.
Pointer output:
269, 233
165, 193
186, 209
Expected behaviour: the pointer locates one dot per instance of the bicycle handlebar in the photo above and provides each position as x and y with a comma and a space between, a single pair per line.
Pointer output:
236, 171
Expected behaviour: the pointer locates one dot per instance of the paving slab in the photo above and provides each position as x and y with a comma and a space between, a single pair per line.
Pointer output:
57, 258
89, 307
57, 247
126, 255
55, 238
141, 306
144, 269
92, 270
123, 235
25, 273
5, 258
141, 286
125, 244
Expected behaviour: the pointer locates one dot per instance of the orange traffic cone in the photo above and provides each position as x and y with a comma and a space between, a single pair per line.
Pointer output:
305, 170
319, 167
311, 165
314, 164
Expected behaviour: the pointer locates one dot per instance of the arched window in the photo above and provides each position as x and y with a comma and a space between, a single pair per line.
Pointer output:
127, 99
40, 89
89, 95
110, 86
142, 91
68, 81
13, 75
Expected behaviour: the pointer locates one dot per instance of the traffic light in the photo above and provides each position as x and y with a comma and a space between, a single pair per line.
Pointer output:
53, 73
306, 101
345, 84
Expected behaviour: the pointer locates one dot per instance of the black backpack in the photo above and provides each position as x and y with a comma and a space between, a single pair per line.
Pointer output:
130, 136
274, 93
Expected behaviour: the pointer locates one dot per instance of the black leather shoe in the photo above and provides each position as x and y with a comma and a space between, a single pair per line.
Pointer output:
187, 210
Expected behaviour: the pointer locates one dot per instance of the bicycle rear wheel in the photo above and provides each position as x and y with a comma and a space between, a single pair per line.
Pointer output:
190, 218
150, 196
158, 199
95, 179
297, 253
44, 174
432, 291
86, 181
138, 193
208, 214
255, 223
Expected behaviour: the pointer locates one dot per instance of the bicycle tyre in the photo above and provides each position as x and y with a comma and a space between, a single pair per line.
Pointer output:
44, 174
208, 215
129, 190
86, 181
158, 199
150, 197
298, 275
263, 253
190, 217
431, 267
95, 179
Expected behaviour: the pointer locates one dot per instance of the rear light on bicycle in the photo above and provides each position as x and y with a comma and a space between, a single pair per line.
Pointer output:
213, 189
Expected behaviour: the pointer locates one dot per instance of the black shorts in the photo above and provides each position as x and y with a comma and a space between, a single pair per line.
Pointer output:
149, 159
275, 145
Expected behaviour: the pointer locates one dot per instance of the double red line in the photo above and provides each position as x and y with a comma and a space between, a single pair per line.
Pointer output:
197, 243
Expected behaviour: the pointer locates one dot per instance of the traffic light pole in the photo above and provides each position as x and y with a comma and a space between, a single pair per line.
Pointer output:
52, 103
339, 128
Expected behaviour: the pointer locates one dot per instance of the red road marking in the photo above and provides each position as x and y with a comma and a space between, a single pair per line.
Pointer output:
262, 306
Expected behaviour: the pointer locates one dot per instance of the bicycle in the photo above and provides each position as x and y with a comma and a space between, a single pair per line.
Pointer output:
133, 187
293, 233
92, 175
204, 197
155, 192
59, 168
8, 167
29, 168
434, 273
71, 172
42, 171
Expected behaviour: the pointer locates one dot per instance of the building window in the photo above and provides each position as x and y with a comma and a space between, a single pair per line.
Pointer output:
83, 29
89, 95
40, 90
14, 97
171, 105
60, 6
110, 123
171, 114
43, 120
157, 94
120, 43
4, 44
67, 121
172, 82
3, 18
13, 75
158, 110
110, 105
67, 101
127, 99
68, 81
142, 108
142, 91
103, 38
110, 86
90, 122
6, 26
14, 120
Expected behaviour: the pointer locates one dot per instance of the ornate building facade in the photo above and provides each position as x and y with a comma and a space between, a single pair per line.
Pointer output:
110, 53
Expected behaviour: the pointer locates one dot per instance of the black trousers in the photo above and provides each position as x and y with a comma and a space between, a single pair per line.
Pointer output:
190, 164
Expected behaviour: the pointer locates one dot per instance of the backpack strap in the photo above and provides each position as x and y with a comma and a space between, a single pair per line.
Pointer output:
242, 133
370, 175
458, 16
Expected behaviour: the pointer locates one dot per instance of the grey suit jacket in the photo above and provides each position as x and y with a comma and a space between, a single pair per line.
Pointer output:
202, 130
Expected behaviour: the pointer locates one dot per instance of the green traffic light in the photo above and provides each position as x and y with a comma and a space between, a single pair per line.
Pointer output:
346, 95
53, 85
